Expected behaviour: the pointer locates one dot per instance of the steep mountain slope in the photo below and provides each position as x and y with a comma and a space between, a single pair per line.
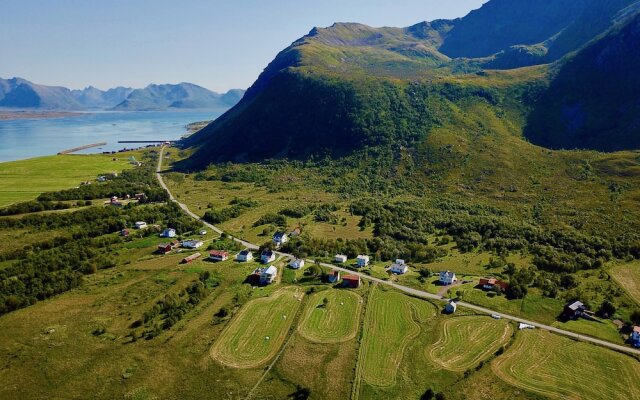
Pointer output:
593, 100
180, 96
525, 32
344, 89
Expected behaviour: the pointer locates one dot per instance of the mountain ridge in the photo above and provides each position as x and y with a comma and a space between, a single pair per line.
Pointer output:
21, 93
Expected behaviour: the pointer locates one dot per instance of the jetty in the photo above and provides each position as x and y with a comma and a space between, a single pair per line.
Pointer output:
147, 141
73, 150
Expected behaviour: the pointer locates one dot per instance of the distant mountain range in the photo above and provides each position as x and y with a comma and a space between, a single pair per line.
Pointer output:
20, 93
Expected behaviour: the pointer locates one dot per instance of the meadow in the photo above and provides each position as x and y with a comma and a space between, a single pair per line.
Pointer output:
392, 321
25, 179
258, 330
561, 368
466, 341
628, 276
333, 321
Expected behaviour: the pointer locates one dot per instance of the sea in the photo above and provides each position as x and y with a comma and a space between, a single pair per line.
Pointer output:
27, 138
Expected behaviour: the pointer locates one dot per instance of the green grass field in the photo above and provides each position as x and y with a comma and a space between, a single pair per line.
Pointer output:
561, 368
393, 320
628, 276
465, 341
336, 322
26, 179
257, 332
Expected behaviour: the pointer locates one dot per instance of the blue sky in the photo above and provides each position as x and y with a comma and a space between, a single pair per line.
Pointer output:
216, 44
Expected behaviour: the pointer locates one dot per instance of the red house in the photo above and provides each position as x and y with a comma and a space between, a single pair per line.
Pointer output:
493, 284
219, 255
351, 281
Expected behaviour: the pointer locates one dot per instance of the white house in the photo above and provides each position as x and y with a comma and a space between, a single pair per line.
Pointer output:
267, 256
244, 256
168, 233
451, 307
340, 258
268, 275
447, 278
141, 225
280, 238
399, 267
297, 263
362, 261
192, 244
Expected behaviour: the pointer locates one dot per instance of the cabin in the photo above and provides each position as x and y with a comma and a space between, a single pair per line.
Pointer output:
218, 255
192, 244
340, 258
297, 263
267, 256
451, 307
141, 225
351, 281
447, 278
114, 199
362, 261
333, 277
493, 284
191, 258
139, 196
102, 178
168, 233
574, 310
635, 337
244, 256
165, 248
124, 232
399, 267
280, 238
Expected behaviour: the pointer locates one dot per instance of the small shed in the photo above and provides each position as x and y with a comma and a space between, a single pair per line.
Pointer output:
635, 336
165, 248
141, 225
451, 307
124, 232
574, 310
191, 258
333, 277
340, 258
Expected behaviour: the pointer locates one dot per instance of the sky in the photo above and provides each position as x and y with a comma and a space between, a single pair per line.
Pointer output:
213, 43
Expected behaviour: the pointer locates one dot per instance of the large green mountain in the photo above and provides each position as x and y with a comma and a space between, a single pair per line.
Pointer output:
350, 87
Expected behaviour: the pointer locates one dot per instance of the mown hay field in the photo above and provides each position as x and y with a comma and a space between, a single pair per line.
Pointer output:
392, 321
465, 341
628, 276
561, 368
257, 332
335, 322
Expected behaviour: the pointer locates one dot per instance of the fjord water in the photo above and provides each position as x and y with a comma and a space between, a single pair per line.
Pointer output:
28, 138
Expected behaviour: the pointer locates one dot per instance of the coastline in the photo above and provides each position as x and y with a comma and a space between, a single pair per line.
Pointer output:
15, 115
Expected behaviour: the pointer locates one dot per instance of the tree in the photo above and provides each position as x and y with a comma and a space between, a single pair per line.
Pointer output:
325, 302
441, 396
607, 309
635, 317
428, 395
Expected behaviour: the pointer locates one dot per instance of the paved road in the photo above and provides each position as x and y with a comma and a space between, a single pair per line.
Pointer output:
411, 291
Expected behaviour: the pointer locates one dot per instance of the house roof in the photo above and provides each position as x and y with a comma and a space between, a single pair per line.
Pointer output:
271, 270
279, 235
267, 253
447, 273
219, 253
576, 305
363, 256
351, 278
